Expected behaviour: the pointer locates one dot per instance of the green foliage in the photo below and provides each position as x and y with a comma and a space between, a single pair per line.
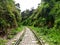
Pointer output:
13, 32
9, 14
49, 10
46, 21
26, 14
52, 35
2, 41
2, 23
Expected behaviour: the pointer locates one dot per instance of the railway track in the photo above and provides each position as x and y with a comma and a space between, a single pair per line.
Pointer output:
20, 39
28, 38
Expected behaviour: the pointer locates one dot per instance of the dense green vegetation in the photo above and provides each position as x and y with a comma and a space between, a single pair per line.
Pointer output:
2, 41
47, 14
46, 19
25, 14
50, 36
10, 18
13, 32
9, 15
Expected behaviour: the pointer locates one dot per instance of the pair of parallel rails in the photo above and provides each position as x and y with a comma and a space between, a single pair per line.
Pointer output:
20, 39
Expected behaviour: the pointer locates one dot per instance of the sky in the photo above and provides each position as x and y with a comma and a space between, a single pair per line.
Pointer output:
28, 4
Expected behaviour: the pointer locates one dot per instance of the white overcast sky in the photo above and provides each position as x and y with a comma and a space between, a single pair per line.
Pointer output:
28, 4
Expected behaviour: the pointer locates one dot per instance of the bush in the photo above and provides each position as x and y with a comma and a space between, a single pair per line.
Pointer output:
52, 35
13, 32
2, 41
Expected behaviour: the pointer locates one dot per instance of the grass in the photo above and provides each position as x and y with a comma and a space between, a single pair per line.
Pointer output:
52, 35
2, 41
12, 33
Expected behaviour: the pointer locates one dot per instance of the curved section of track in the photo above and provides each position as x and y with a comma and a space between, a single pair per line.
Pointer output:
29, 38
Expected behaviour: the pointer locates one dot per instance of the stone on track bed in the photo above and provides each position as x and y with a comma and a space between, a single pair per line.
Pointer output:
29, 38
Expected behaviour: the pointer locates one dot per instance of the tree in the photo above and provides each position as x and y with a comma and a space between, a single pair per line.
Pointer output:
9, 15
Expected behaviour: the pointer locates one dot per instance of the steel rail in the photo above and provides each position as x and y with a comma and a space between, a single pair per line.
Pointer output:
36, 36
20, 39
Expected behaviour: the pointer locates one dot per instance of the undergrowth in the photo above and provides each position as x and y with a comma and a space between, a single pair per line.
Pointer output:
52, 35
